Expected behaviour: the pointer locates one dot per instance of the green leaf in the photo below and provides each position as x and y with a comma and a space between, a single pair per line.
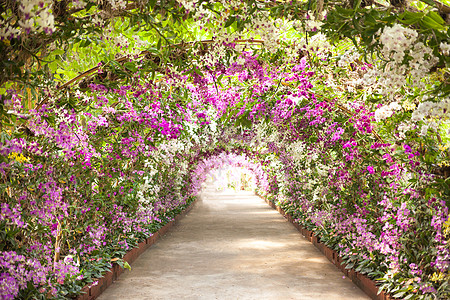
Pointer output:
398, 295
53, 66
85, 43
152, 3
429, 2
343, 12
219, 80
430, 23
349, 266
130, 66
58, 52
436, 17
230, 21
410, 17
197, 70
158, 46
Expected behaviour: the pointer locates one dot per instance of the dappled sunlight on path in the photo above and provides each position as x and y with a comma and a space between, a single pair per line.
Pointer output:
232, 245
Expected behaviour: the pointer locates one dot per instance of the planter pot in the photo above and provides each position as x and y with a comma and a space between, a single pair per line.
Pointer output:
316, 242
281, 211
330, 254
165, 228
117, 270
342, 266
288, 217
143, 245
303, 232
188, 209
108, 278
334, 256
84, 294
351, 274
151, 240
368, 286
131, 256
271, 204
96, 290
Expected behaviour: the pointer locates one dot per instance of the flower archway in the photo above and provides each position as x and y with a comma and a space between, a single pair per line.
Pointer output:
343, 125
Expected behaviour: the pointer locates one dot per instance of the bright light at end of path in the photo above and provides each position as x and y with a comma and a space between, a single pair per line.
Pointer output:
236, 178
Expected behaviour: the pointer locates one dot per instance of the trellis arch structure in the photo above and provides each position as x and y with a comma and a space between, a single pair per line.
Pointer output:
135, 150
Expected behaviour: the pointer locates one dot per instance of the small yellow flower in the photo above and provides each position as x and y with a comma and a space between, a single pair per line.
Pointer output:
447, 226
437, 276
443, 147
17, 157
407, 105
444, 164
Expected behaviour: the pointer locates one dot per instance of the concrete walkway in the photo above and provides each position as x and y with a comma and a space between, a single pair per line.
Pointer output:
233, 246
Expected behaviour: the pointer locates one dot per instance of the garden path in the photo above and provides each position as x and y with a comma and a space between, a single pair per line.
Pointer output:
232, 245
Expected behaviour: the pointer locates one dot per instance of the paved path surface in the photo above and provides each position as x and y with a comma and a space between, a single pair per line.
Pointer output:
233, 246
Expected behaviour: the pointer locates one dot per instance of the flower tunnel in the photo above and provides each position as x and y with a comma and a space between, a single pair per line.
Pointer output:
102, 161
214, 166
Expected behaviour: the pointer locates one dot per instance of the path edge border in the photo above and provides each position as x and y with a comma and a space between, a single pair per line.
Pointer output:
93, 292
366, 284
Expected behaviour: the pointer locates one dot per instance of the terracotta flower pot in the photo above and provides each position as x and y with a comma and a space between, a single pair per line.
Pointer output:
84, 294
